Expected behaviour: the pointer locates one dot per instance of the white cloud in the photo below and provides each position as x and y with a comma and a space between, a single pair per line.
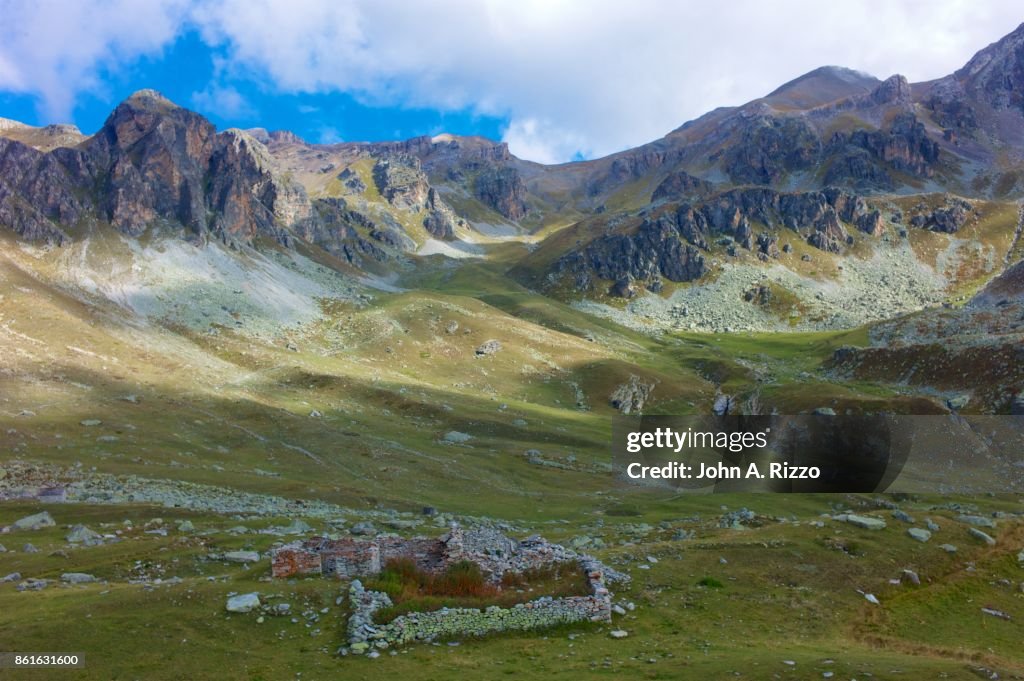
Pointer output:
542, 142
225, 101
598, 75
57, 50
591, 75
329, 135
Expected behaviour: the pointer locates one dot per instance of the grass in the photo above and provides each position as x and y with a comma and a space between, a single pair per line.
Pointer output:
234, 411
463, 585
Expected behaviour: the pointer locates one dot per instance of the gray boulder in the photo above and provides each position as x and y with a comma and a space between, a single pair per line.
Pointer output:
457, 437
34, 522
363, 528
919, 534
80, 534
243, 602
978, 534
242, 556
865, 522
488, 348
976, 520
902, 516
77, 578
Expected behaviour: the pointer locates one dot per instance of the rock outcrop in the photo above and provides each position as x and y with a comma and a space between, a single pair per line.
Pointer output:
502, 189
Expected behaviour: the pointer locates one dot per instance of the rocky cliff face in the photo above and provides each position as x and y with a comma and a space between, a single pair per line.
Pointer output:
153, 162
672, 243
502, 189
38, 192
152, 158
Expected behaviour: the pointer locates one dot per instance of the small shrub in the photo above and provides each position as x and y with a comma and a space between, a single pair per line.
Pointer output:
711, 583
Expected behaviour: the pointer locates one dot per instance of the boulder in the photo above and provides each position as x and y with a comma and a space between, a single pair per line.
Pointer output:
34, 522
919, 534
80, 534
243, 602
976, 520
77, 578
363, 528
457, 437
242, 556
982, 536
631, 396
488, 348
865, 522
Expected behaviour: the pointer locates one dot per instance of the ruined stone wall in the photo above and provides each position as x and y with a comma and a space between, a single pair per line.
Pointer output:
428, 554
292, 560
348, 559
540, 613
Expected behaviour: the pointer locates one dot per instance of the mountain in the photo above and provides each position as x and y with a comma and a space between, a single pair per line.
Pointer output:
837, 199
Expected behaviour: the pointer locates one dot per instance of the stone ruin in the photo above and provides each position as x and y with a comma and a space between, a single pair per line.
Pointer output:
348, 558
496, 554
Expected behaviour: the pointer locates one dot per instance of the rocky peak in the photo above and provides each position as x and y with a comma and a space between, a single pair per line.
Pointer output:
893, 90
502, 189
155, 154
401, 181
996, 74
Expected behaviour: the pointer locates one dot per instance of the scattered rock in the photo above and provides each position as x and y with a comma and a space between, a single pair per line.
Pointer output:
488, 348
13, 577
618, 633
902, 516
89, 423
723, 405
242, 556
363, 528
77, 578
864, 522
457, 437
32, 584
871, 598
824, 411
996, 613
29, 548
919, 534
631, 395
978, 534
976, 520
911, 577
34, 522
931, 525
80, 534
243, 602
186, 526
948, 548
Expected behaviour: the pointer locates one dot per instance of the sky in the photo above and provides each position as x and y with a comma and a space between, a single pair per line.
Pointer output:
556, 79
